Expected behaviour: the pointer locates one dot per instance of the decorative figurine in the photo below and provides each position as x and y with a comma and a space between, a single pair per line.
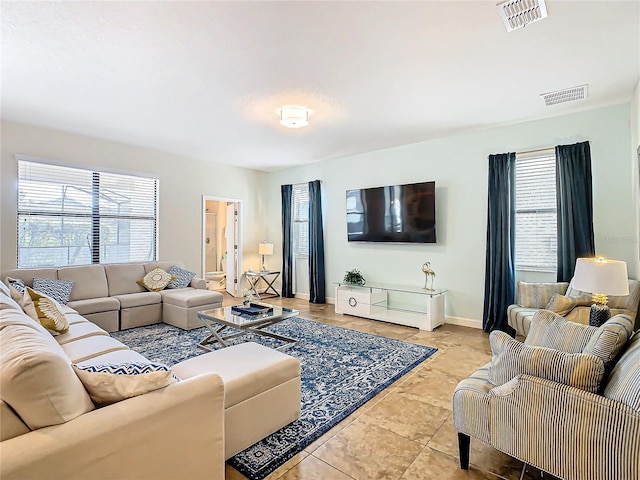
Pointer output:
426, 269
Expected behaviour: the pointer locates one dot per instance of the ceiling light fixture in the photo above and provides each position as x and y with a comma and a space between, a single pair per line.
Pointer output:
294, 116
518, 13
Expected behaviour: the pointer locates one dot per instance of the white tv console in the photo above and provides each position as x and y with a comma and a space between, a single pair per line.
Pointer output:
401, 304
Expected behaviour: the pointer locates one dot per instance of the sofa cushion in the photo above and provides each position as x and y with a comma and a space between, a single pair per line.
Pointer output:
31, 361
59, 290
538, 295
123, 278
28, 274
90, 347
183, 277
11, 425
624, 380
80, 330
7, 302
111, 383
512, 358
116, 356
562, 305
133, 300
95, 305
156, 280
90, 281
190, 297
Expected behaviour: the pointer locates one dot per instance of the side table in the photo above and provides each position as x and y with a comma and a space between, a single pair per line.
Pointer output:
268, 277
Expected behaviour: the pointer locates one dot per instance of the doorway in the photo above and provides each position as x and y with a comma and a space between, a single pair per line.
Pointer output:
222, 244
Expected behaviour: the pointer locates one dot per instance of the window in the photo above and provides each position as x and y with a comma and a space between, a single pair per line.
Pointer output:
300, 198
536, 227
74, 216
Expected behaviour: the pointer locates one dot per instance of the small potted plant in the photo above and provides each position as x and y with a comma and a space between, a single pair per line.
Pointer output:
354, 277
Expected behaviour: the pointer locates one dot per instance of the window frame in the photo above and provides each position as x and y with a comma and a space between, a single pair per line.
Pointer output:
530, 264
95, 216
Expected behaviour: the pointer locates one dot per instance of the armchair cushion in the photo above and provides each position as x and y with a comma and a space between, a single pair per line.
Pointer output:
624, 380
562, 304
512, 358
538, 295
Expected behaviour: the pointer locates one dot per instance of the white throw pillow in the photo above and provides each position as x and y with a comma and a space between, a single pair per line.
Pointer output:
110, 383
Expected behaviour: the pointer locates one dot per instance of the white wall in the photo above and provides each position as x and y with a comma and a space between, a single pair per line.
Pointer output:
458, 164
634, 266
183, 181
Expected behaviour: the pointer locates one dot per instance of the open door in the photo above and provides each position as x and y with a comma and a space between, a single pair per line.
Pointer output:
231, 235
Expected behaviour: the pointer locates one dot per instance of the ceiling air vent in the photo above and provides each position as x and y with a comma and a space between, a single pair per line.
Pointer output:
566, 95
518, 13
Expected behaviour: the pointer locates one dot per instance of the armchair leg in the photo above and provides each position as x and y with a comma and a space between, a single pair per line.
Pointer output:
464, 442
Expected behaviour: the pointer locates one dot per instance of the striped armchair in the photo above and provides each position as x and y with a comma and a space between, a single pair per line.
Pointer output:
531, 297
556, 424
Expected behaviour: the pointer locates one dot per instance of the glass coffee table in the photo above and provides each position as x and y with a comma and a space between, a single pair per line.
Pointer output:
244, 319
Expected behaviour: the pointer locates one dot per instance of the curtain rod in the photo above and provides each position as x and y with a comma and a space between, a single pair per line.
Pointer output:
540, 150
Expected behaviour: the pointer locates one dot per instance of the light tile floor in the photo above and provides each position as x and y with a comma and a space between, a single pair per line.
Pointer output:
405, 432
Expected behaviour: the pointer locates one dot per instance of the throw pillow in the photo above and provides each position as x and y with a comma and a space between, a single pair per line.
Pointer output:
111, 383
562, 304
59, 290
156, 280
16, 288
551, 330
183, 277
609, 338
538, 295
46, 311
512, 358
623, 385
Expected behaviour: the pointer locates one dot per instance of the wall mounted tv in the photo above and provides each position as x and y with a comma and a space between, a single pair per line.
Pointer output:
396, 213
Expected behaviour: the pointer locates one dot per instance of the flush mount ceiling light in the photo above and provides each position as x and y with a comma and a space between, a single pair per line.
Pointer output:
518, 13
566, 95
294, 116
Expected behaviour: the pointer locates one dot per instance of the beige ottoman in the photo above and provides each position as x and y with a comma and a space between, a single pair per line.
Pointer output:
180, 307
261, 390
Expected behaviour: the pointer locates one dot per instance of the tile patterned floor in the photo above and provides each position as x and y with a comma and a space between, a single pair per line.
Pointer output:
405, 432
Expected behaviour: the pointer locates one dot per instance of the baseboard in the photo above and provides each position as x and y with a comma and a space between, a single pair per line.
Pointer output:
305, 296
463, 322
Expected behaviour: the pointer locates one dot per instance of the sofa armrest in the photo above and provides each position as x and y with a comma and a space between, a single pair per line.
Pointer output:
174, 432
529, 414
198, 283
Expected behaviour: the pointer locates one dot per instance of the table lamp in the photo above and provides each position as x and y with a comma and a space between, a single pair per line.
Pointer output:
265, 248
600, 277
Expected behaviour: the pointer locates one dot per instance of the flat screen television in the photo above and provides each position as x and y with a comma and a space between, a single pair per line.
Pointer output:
395, 213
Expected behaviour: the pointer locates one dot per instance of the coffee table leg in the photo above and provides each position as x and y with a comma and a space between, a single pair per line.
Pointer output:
215, 336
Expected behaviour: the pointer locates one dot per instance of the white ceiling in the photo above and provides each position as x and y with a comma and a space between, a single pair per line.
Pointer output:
204, 79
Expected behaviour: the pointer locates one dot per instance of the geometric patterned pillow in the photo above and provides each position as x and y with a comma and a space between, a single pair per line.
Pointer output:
59, 290
16, 288
183, 277
110, 383
156, 280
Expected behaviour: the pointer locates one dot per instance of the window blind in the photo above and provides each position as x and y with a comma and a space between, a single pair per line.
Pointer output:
536, 226
300, 212
76, 216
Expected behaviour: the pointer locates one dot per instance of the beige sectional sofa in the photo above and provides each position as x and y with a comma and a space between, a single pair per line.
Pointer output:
225, 401
109, 295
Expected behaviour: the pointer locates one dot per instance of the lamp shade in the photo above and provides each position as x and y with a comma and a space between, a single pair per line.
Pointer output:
601, 275
265, 248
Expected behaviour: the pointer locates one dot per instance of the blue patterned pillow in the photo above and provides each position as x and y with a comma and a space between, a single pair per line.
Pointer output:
183, 277
110, 383
59, 290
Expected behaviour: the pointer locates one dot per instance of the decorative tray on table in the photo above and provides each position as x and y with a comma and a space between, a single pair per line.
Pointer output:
251, 309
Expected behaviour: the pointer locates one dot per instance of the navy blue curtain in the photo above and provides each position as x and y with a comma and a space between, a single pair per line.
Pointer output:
287, 242
499, 283
316, 245
574, 199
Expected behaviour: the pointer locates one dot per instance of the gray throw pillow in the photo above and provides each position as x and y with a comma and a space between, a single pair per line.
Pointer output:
59, 290
183, 277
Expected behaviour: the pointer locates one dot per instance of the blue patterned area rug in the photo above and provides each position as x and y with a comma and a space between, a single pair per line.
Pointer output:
341, 370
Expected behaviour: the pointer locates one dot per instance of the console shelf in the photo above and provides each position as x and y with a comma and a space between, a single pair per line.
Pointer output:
401, 304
